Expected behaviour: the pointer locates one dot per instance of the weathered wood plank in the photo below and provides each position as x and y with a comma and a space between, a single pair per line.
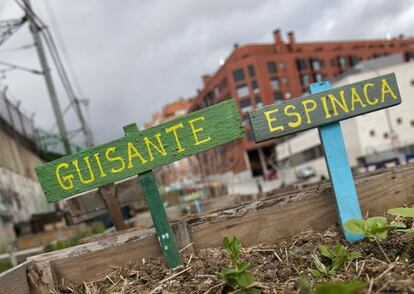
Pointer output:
14, 281
140, 152
266, 221
295, 115
276, 218
339, 170
108, 193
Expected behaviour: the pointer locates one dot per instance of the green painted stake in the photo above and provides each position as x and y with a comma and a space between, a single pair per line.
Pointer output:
158, 214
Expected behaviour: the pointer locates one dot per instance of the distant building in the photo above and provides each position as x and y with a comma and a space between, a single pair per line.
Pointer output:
182, 170
262, 74
373, 140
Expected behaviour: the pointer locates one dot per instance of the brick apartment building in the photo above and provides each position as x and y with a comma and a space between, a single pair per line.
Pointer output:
261, 74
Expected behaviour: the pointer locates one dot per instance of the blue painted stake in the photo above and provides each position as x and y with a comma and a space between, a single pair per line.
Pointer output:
339, 170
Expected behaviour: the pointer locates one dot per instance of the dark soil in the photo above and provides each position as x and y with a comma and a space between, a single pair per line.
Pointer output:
277, 268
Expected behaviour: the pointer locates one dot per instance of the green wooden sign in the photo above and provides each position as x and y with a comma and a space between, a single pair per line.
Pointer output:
322, 108
139, 152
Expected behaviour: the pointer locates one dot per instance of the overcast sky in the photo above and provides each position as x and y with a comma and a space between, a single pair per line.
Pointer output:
131, 57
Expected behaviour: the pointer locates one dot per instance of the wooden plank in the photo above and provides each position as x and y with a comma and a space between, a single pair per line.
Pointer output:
108, 193
339, 170
159, 217
158, 214
276, 218
266, 221
295, 115
14, 280
140, 152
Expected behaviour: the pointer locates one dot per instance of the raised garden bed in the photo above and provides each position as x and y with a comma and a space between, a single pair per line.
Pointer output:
277, 268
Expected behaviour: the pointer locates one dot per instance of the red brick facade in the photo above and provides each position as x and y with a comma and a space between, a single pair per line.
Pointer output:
261, 74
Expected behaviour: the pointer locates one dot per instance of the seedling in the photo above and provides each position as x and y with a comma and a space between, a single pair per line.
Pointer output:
352, 287
338, 256
238, 277
375, 228
405, 212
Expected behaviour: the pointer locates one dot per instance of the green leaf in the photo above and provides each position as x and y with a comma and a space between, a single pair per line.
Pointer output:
304, 286
398, 225
315, 273
245, 279
354, 255
402, 211
352, 287
244, 266
248, 291
325, 251
319, 265
355, 226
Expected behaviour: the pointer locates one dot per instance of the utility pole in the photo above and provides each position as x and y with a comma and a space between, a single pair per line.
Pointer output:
48, 77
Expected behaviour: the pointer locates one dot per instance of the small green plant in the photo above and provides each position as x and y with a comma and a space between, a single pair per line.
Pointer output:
375, 228
403, 212
237, 277
337, 256
352, 287
61, 244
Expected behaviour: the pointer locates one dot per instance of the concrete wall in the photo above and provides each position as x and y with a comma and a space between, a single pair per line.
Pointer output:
20, 192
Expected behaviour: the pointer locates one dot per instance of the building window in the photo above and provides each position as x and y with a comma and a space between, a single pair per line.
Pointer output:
412, 123
255, 86
341, 62
245, 104
285, 81
409, 56
277, 96
304, 80
372, 133
316, 64
318, 78
399, 120
242, 91
353, 60
258, 101
216, 91
271, 67
250, 69
301, 64
412, 83
385, 135
282, 65
288, 95
238, 75
274, 83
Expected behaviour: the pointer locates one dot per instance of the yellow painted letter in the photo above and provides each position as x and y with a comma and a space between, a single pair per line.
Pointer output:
309, 109
370, 102
335, 102
160, 148
66, 181
356, 98
195, 131
293, 113
173, 129
88, 165
98, 161
269, 120
113, 159
132, 153
325, 107
386, 89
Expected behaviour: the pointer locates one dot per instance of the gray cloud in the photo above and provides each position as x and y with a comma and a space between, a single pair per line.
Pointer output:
132, 57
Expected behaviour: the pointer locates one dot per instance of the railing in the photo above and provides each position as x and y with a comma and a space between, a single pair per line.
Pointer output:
19, 121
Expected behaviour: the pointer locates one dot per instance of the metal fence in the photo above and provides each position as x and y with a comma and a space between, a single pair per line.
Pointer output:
20, 122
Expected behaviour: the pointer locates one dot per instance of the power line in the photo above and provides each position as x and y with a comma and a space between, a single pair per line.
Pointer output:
9, 27
12, 66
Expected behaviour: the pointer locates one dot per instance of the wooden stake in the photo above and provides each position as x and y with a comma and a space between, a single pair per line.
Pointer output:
108, 193
339, 170
158, 214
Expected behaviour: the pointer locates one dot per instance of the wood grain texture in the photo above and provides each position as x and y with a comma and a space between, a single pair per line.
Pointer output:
266, 221
339, 170
310, 111
140, 152
108, 193
14, 281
